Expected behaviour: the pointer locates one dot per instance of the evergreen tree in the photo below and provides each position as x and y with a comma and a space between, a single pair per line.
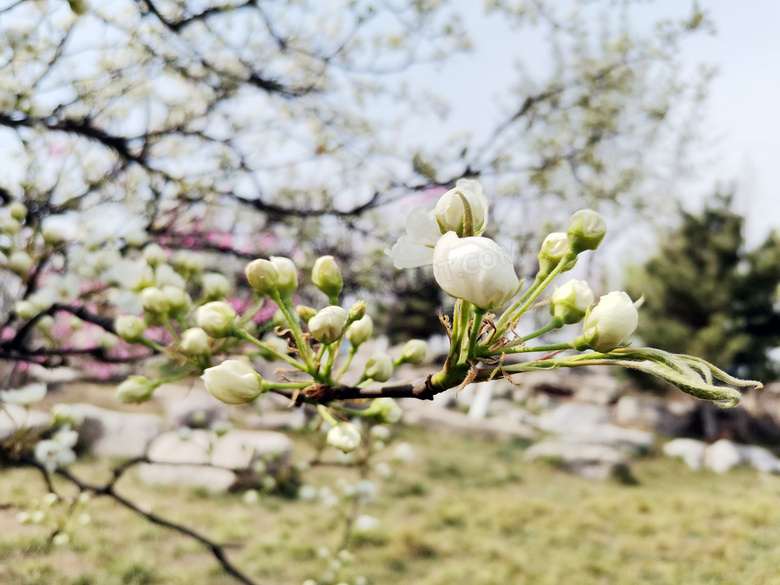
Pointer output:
706, 295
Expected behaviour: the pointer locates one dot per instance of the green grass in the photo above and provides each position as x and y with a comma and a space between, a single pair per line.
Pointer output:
466, 510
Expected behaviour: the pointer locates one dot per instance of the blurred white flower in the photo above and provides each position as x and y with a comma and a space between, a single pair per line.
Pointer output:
26, 395
365, 523
57, 451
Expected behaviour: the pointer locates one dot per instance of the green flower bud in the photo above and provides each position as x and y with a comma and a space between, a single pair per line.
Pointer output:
135, 390
414, 351
109, 341
18, 210
154, 301
288, 275
570, 302
154, 255
217, 318
195, 341
25, 309
178, 300
326, 276
51, 235
305, 313
586, 230
10, 226
45, 323
379, 367
360, 331
554, 248
357, 311
328, 325
263, 276
609, 323
215, 286
278, 344
20, 262
129, 327
233, 382
385, 410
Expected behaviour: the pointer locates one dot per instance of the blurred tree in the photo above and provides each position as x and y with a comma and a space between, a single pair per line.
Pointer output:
706, 295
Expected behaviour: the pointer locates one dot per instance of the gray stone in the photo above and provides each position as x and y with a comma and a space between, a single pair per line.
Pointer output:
722, 455
689, 450
212, 479
594, 462
631, 441
14, 417
760, 458
294, 418
596, 386
239, 449
440, 419
483, 394
170, 447
570, 416
654, 414
110, 433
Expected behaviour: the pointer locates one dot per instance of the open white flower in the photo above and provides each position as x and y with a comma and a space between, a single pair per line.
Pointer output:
57, 451
474, 269
416, 247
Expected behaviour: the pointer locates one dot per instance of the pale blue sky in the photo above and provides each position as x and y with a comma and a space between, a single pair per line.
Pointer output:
742, 117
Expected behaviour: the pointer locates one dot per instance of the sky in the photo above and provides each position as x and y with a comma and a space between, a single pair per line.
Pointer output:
741, 118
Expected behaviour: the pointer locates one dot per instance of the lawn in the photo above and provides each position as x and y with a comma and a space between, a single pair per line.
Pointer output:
465, 510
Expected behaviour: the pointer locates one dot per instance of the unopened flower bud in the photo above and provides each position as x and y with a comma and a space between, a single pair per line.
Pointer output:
326, 276
327, 326
154, 301
45, 323
385, 410
288, 275
305, 313
379, 367
277, 344
609, 323
263, 276
233, 382
178, 300
414, 351
216, 318
360, 331
571, 301
554, 248
109, 341
18, 210
25, 309
586, 230
129, 327
135, 390
451, 213
195, 341
154, 255
51, 235
344, 436
188, 260
20, 262
215, 286
357, 311
10, 226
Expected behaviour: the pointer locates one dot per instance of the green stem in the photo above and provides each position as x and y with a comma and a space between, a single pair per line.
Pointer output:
285, 305
531, 295
556, 323
475, 328
342, 371
242, 334
513, 350
326, 415
285, 385
167, 324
